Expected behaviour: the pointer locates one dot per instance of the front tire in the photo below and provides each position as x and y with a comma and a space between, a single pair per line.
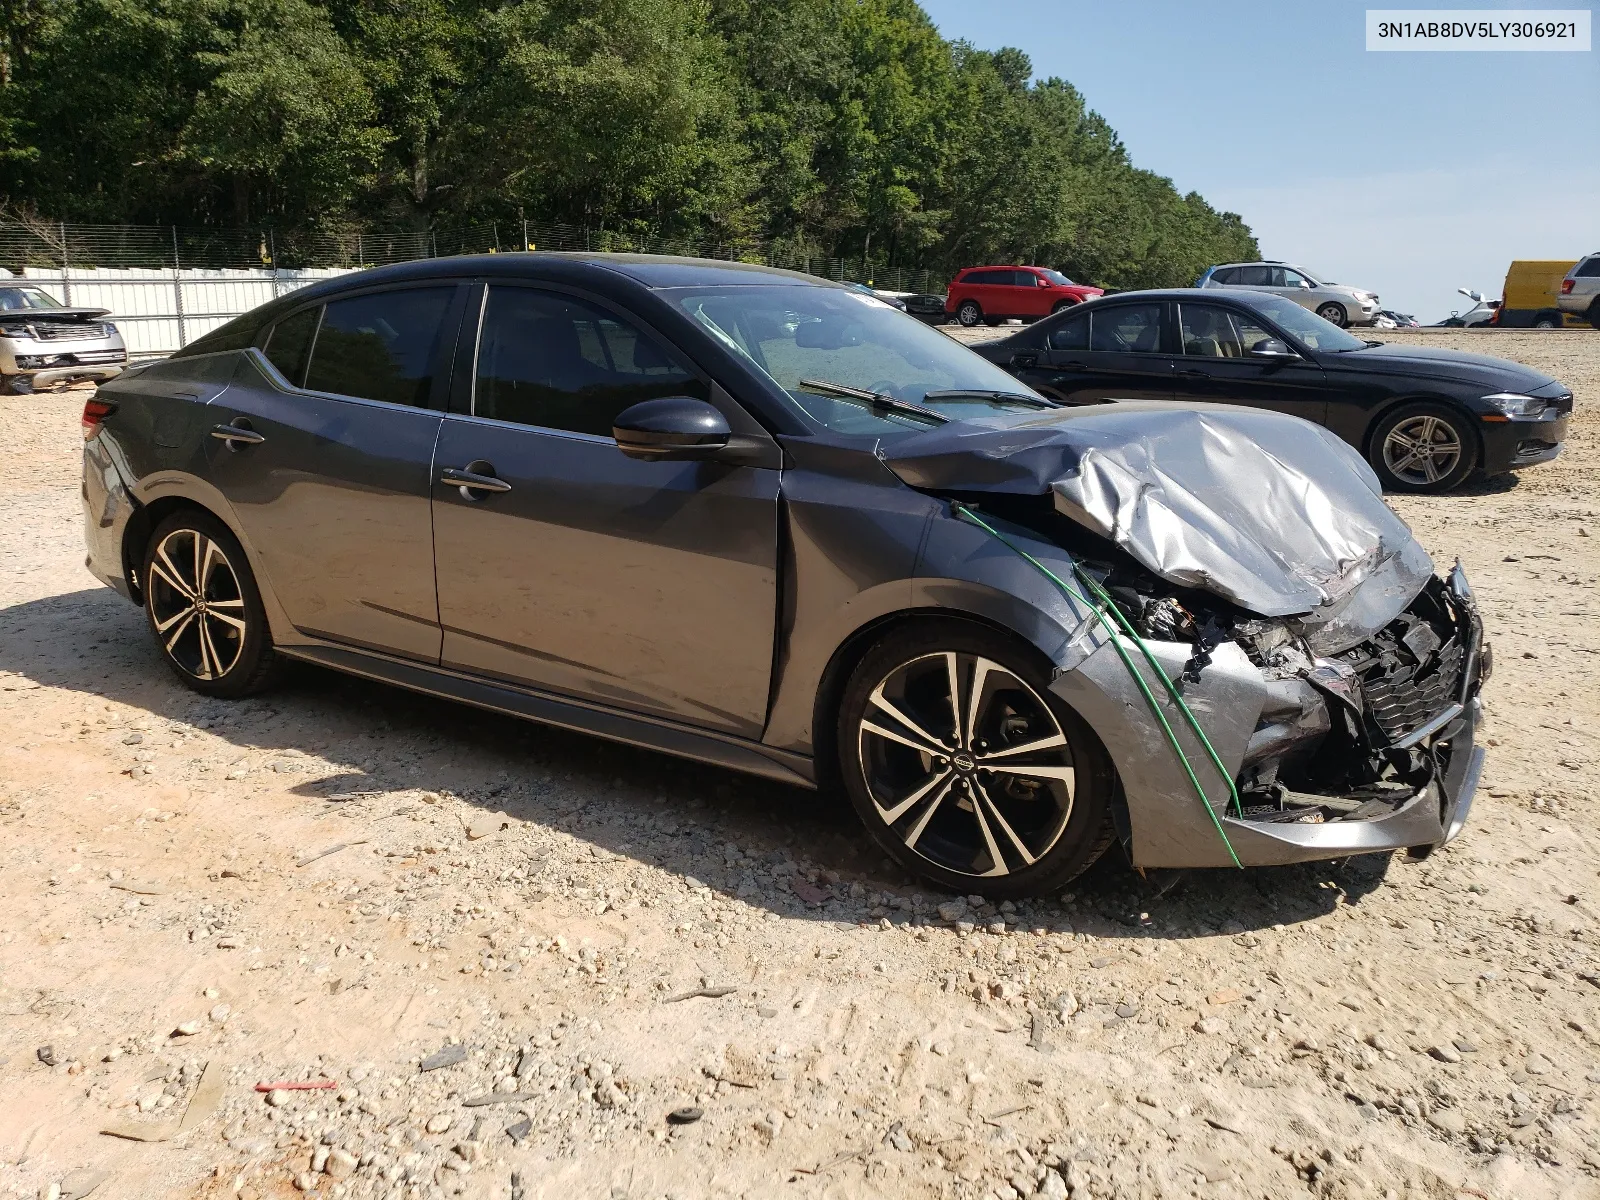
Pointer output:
966, 769
1423, 448
1063, 305
969, 314
1334, 313
204, 608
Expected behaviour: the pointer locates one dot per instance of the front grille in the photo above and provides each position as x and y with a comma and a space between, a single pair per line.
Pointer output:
1411, 671
62, 331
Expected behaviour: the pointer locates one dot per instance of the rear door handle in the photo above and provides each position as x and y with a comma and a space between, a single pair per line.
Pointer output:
471, 481
237, 436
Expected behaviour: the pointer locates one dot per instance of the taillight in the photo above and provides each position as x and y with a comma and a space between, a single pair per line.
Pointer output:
95, 411
1566, 287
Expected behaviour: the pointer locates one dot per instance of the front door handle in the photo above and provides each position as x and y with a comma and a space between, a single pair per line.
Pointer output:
237, 435
1024, 361
472, 481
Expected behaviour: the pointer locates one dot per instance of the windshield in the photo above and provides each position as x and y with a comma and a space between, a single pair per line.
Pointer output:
1055, 277
14, 298
820, 343
1307, 326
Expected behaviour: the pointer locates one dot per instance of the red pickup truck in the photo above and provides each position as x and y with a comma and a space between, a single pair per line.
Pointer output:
995, 294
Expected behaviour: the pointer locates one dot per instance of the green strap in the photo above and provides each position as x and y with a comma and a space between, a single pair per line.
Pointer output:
1099, 609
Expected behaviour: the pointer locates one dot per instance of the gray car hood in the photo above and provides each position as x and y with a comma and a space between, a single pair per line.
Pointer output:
1268, 511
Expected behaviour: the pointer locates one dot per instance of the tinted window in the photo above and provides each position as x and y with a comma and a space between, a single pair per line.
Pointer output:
1588, 269
1129, 329
235, 335
290, 341
1208, 332
1024, 279
380, 347
1225, 275
1253, 276
560, 363
1071, 334
988, 277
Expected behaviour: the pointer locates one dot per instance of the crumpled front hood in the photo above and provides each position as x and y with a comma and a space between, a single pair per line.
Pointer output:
1268, 511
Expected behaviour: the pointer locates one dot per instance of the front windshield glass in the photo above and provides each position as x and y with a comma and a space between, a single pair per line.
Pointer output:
1307, 326
13, 299
802, 335
1055, 277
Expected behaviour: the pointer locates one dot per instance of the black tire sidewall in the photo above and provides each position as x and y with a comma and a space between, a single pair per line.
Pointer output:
246, 674
1470, 454
968, 314
1088, 831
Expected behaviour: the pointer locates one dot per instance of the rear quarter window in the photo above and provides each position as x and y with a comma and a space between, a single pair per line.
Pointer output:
1589, 268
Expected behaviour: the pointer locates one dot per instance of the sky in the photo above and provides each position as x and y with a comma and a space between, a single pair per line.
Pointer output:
1409, 174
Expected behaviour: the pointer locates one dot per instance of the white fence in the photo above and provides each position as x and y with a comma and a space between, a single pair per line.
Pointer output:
161, 310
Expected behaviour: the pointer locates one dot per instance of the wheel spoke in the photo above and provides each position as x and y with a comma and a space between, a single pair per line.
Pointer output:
927, 815
891, 815
179, 631
163, 626
1005, 826
163, 566
1045, 743
1430, 467
980, 675
1067, 775
207, 562
930, 743
995, 856
215, 604
210, 650
953, 671
211, 611
873, 727
199, 571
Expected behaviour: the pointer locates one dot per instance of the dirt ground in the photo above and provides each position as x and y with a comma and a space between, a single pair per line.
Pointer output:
513, 952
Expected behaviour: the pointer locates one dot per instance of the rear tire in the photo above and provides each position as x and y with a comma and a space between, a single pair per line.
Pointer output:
1334, 313
1594, 314
204, 608
969, 314
913, 763
1423, 447
1547, 321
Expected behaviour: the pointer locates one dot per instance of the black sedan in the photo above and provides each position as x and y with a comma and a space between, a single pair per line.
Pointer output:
763, 520
1424, 418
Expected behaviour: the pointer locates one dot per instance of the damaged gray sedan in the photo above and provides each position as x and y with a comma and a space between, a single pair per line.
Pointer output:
759, 520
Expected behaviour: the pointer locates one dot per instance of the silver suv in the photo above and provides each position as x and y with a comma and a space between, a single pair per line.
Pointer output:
43, 342
1330, 301
1580, 290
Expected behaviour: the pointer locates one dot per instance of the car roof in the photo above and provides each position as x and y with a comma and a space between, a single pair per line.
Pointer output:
651, 270
1209, 295
1006, 267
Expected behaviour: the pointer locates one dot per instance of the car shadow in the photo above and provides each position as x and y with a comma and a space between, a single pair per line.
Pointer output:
388, 740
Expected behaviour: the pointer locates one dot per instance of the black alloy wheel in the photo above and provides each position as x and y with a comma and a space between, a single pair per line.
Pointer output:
1423, 448
204, 608
966, 770
1334, 313
969, 314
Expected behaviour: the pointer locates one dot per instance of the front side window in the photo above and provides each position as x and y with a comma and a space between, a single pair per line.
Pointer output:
289, 343
1284, 277
16, 299
1127, 329
560, 363
1306, 326
1024, 279
1208, 332
802, 335
1055, 277
380, 346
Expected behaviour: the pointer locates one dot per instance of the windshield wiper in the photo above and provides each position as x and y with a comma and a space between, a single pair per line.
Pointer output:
879, 402
990, 394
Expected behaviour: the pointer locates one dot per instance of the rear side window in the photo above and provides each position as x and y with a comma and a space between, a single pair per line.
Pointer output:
237, 334
1071, 334
988, 277
1588, 269
289, 344
1225, 275
560, 363
381, 346
1130, 329
1253, 276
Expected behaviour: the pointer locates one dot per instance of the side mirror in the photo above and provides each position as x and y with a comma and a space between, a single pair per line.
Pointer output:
674, 427
1272, 348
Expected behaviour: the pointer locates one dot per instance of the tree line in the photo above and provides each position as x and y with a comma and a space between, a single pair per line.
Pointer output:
835, 128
